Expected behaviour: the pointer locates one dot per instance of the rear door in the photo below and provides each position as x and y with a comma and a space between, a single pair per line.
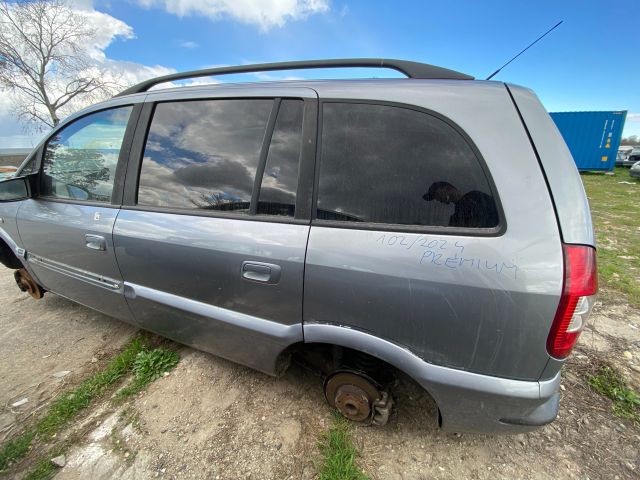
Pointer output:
67, 229
408, 243
212, 237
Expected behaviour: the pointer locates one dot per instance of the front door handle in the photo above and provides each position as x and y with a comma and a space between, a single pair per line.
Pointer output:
261, 272
95, 242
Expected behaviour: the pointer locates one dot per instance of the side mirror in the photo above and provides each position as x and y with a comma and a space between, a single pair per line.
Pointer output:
14, 189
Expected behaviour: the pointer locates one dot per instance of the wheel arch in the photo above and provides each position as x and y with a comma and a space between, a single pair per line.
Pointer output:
7, 256
394, 355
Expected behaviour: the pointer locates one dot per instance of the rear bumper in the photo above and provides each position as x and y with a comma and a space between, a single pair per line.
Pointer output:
515, 407
468, 402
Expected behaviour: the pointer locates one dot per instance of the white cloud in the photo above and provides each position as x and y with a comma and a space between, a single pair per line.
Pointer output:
81, 4
12, 135
265, 14
270, 77
189, 44
130, 73
633, 117
107, 30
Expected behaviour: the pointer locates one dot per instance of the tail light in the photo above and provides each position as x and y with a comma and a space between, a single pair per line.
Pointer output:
578, 297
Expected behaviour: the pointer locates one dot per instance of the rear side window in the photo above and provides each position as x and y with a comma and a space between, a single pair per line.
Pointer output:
393, 165
278, 189
80, 160
203, 154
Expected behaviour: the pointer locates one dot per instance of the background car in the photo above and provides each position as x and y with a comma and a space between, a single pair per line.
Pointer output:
635, 170
633, 157
623, 155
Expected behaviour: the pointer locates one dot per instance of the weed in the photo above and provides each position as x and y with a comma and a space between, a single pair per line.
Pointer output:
336, 445
608, 382
44, 469
16, 449
67, 406
147, 367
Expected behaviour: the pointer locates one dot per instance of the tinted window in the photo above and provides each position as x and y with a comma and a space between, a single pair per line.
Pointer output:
278, 190
388, 164
203, 154
80, 160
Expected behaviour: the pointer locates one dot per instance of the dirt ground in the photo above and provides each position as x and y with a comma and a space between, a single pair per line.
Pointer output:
44, 345
213, 419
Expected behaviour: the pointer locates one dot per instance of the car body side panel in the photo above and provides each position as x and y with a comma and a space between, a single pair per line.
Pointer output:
482, 304
8, 225
564, 180
53, 234
184, 281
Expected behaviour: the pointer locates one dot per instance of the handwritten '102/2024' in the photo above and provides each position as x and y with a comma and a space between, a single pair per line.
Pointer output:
444, 253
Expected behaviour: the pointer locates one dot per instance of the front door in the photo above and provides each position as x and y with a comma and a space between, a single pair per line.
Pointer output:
67, 230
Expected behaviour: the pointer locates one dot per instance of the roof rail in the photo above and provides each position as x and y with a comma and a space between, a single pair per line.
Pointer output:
410, 69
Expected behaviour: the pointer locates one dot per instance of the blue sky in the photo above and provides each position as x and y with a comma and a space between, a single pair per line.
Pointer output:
589, 63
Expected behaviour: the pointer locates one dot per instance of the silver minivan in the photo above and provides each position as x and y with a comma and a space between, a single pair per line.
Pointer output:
434, 225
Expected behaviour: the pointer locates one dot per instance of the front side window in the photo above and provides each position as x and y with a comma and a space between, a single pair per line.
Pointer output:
80, 160
393, 165
203, 154
29, 166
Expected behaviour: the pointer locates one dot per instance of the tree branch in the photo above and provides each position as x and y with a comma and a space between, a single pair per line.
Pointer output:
44, 58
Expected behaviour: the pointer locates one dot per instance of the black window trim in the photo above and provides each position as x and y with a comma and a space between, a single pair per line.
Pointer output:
305, 171
496, 231
123, 156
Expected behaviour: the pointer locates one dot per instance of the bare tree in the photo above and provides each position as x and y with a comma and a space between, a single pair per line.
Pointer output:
633, 140
45, 63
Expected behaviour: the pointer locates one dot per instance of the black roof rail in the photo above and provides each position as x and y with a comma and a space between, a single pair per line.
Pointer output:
410, 69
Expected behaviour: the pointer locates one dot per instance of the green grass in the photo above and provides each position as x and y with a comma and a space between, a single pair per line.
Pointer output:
44, 469
16, 449
616, 215
69, 404
339, 452
135, 357
66, 407
608, 382
147, 367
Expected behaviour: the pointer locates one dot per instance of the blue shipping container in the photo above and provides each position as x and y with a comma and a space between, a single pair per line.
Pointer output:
592, 137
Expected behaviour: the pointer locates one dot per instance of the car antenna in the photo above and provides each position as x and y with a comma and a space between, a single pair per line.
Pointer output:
530, 45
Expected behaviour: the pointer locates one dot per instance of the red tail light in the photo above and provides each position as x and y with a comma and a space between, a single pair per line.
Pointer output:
578, 297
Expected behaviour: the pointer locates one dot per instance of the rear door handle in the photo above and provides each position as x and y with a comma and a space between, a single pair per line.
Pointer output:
95, 242
261, 272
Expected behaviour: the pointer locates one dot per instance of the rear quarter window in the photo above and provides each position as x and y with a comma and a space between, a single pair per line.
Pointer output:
394, 165
280, 180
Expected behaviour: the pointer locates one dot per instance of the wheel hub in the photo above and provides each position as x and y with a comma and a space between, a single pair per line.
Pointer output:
27, 284
352, 395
